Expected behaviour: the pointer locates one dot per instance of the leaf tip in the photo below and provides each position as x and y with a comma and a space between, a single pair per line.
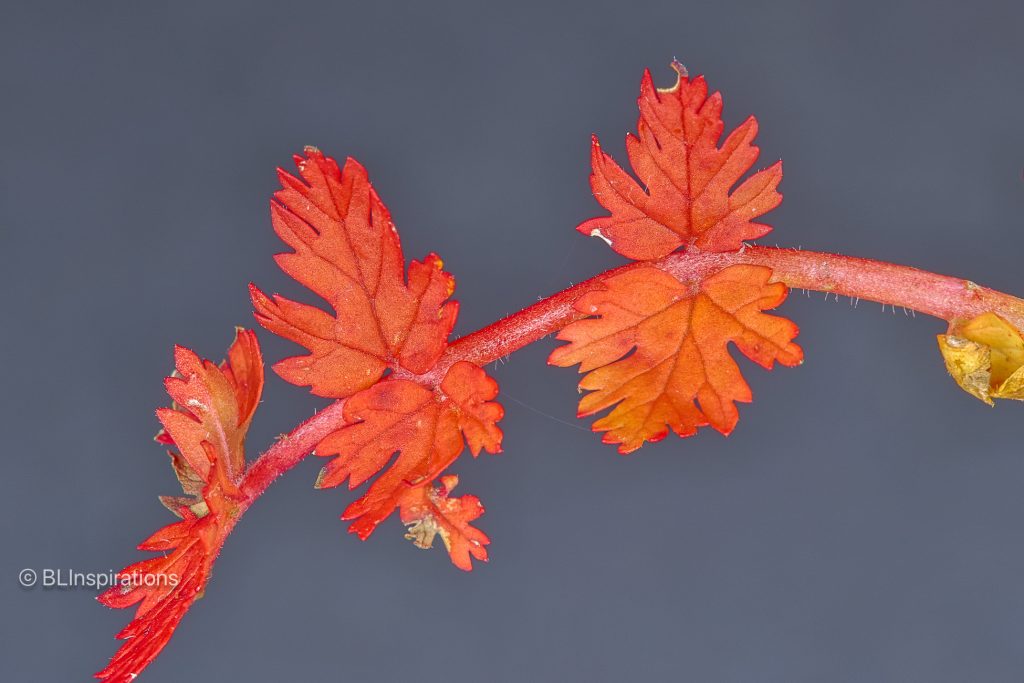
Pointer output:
679, 68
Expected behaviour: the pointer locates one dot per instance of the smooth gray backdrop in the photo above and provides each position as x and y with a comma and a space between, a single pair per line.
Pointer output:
864, 523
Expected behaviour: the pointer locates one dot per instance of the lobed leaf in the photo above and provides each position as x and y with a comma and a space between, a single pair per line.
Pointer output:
212, 405
655, 350
686, 197
346, 250
425, 427
428, 512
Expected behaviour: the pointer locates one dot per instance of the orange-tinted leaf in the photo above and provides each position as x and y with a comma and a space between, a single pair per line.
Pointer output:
425, 427
686, 197
165, 588
347, 251
214, 405
471, 390
213, 408
428, 511
655, 350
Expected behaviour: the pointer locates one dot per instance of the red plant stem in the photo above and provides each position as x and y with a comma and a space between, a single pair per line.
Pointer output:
290, 450
941, 296
944, 297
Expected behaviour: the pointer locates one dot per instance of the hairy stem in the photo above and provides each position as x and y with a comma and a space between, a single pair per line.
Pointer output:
944, 297
941, 296
290, 450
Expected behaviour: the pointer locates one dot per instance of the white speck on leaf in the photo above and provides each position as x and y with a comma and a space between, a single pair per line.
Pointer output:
596, 232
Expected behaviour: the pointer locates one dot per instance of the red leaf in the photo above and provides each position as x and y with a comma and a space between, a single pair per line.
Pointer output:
656, 350
165, 588
213, 408
426, 429
218, 402
685, 199
427, 511
347, 251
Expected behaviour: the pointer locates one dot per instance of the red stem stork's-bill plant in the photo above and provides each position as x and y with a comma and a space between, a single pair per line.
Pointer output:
651, 339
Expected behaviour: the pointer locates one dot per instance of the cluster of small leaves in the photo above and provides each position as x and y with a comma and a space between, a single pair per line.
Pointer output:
206, 427
654, 347
385, 322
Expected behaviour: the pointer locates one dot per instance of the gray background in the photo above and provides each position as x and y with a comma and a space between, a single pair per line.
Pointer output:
865, 521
